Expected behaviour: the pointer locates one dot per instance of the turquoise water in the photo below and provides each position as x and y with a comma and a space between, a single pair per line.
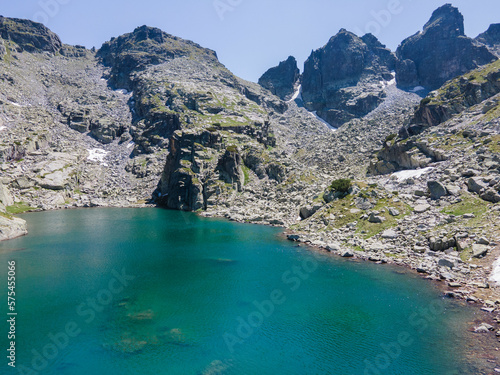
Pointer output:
207, 296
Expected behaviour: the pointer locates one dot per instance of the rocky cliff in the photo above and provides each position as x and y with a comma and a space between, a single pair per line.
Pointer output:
282, 79
440, 52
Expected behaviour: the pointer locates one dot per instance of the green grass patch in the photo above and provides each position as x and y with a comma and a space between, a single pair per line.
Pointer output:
466, 254
494, 145
6, 215
470, 204
341, 185
368, 229
19, 208
246, 173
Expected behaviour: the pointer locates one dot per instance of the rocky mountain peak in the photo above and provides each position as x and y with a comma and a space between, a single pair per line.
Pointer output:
339, 80
447, 21
281, 79
491, 38
143, 47
439, 53
28, 35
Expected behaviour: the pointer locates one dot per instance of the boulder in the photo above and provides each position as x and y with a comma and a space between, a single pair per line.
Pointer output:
441, 244
333, 246
394, 212
490, 195
6, 197
363, 203
23, 183
483, 328
445, 262
453, 190
57, 180
419, 249
307, 212
476, 184
390, 234
376, 219
479, 251
483, 241
421, 208
436, 189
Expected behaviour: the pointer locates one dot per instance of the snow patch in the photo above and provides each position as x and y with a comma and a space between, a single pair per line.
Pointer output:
15, 104
417, 89
495, 274
412, 173
2, 128
122, 91
97, 154
315, 114
390, 82
297, 94
130, 144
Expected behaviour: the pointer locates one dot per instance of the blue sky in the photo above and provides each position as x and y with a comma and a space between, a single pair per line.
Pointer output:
249, 36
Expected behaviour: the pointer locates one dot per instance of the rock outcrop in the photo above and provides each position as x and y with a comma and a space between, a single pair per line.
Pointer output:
491, 38
341, 81
11, 227
454, 97
440, 52
28, 35
229, 168
281, 80
180, 186
407, 154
